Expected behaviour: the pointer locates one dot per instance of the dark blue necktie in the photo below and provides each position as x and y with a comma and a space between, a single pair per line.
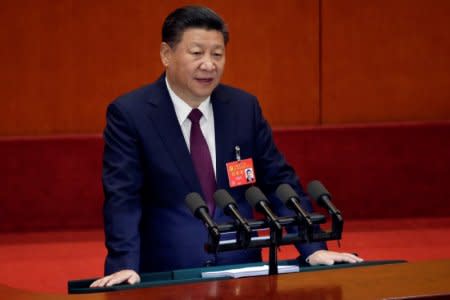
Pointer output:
202, 159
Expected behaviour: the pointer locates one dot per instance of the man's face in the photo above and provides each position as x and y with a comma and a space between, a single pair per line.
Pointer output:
195, 65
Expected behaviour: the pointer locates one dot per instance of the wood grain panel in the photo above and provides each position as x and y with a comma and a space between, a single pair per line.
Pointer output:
273, 53
385, 60
63, 61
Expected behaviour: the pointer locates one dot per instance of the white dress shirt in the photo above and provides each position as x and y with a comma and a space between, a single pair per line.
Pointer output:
182, 110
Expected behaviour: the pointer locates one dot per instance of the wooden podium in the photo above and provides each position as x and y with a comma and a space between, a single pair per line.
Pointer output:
426, 280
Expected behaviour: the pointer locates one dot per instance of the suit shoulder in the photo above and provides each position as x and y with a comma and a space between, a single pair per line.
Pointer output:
133, 97
226, 91
135, 101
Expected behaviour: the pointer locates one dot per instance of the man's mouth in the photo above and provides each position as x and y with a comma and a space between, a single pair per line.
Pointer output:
205, 80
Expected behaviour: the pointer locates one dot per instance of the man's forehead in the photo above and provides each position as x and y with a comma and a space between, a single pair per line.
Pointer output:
200, 35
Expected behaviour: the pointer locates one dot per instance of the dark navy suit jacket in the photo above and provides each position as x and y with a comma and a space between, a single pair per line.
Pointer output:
147, 173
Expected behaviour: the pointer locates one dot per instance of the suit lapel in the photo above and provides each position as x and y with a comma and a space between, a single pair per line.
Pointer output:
224, 127
165, 121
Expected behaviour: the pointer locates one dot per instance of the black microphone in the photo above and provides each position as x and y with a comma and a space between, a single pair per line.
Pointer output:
291, 199
259, 201
226, 202
199, 209
322, 196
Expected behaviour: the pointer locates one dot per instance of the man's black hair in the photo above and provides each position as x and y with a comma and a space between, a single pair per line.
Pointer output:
187, 17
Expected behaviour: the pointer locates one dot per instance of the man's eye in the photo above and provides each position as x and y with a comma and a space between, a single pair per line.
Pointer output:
196, 53
218, 54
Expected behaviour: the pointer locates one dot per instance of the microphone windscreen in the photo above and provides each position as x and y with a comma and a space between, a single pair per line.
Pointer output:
255, 195
223, 198
285, 192
194, 201
316, 190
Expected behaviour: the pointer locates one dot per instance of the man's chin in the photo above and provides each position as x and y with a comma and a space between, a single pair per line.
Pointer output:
205, 92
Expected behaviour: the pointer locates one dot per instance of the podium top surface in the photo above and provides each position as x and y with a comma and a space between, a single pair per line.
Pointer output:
192, 275
373, 282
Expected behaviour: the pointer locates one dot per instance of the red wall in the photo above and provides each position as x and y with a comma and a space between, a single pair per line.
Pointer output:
309, 62
385, 60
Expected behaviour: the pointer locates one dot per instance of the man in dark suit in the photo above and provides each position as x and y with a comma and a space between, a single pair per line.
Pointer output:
151, 159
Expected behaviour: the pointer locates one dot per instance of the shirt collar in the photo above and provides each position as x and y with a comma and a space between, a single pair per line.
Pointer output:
182, 109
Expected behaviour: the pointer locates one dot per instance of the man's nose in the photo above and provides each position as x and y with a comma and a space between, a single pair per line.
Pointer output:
208, 64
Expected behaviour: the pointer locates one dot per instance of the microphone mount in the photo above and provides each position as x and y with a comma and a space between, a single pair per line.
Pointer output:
277, 234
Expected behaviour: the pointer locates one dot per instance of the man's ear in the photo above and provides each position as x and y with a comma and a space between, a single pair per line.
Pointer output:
165, 52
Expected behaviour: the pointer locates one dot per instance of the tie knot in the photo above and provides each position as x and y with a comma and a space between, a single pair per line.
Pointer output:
195, 115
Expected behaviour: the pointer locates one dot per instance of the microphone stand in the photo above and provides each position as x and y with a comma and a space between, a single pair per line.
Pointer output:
275, 237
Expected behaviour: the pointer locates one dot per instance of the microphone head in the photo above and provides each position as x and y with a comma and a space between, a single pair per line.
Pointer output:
194, 201
254, 195
317, 190
223, 198
285, 192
